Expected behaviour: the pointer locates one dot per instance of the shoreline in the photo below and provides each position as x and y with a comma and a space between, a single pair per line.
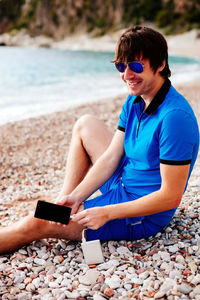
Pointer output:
184, 44
175, 80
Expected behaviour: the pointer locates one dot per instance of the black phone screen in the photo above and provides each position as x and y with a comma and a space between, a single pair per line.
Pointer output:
52, 212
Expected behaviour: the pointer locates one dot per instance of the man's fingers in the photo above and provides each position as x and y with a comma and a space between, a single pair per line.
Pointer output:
82, 218
78, 217
57, 223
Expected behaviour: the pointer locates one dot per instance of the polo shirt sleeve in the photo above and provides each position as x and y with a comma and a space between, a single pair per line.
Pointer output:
177, 138
124, 114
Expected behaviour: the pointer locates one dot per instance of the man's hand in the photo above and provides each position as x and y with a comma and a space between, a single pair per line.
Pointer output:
69, 201
92, 218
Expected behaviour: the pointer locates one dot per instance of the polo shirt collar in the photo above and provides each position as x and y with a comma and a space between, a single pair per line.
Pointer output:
158, 99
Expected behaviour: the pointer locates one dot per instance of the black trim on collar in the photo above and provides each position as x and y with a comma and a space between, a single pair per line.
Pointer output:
158, 99
137, 99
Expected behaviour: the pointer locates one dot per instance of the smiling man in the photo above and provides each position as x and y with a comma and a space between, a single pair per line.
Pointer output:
142, 171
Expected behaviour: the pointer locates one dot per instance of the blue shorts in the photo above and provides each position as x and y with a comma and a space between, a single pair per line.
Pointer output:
113, 192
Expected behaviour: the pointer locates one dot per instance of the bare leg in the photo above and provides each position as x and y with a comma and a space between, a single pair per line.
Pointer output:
30, 229
90, 139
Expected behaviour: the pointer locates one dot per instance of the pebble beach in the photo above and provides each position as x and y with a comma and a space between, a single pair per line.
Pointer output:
32, 163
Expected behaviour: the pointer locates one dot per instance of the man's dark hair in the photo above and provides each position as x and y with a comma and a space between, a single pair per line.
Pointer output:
143, 42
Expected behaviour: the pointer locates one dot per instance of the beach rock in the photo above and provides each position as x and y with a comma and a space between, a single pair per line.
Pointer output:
30, 287
196, 290
167, 285
66, 283
24, 296
174, 273
98, 297
137, 281
164, 266
114, 282
196, 279
36, 282
127, 286
165, 256
123, 251
184, 288
108, 292
159, 295
144, 275
180, 259
14, 290
39, 261
72, 295
89, 278
53, 284
192, 265
173, 249
131, 270
19, 278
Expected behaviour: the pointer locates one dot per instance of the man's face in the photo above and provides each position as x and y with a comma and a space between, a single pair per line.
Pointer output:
146, 83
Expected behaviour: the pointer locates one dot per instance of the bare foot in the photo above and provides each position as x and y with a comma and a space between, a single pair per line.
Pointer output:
21, 233
30, 229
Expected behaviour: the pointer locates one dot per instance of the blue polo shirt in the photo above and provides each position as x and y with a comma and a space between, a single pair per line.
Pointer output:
166, 132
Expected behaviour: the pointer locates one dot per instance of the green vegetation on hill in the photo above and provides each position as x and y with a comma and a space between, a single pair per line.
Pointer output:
57, 18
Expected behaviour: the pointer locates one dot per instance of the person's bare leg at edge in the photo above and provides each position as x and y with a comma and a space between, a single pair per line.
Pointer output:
85, 149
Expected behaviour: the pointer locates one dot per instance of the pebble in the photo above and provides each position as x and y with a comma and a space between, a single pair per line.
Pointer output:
98, 297
108, 292
196, 280
39, 261
30, 287
24, 296
53, 285
184, 288
193, 267
167, 285
123, 251
144, 275
137, 281
165, 256
127, 286
196, 290
159, 295
164, 266
174, 274
180, 259
89, 278
113, 282
173, 249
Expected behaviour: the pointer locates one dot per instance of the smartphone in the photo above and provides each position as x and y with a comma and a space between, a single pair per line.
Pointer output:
52, 212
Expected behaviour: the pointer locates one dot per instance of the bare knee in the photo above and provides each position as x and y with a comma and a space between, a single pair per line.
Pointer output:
95, 137
84, 123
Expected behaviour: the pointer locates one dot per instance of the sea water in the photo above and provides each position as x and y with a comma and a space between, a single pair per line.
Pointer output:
34, 82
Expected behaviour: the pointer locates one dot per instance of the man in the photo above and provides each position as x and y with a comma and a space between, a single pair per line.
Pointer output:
142, 171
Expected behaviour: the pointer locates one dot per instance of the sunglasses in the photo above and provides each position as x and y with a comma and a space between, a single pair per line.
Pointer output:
135, 66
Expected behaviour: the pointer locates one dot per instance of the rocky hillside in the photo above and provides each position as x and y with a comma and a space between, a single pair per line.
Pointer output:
58, 18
